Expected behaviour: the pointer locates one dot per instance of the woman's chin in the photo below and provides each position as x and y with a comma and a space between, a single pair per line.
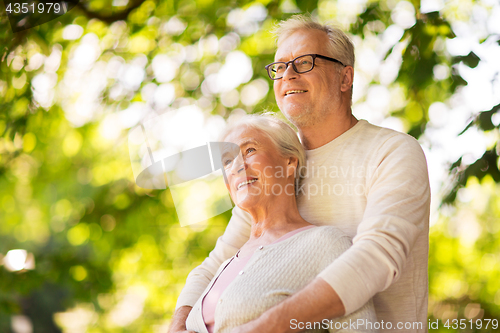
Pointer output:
246, 200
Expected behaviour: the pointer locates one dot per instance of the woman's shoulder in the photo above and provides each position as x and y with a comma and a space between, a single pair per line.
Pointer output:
325, 236
329, 231
319, 245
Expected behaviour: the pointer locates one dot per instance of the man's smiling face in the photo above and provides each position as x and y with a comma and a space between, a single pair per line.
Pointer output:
306, 99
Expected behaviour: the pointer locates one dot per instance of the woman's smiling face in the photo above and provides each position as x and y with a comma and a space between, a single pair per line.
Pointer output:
259, 170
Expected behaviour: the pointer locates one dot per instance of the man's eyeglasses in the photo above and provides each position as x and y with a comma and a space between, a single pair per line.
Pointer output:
302, 64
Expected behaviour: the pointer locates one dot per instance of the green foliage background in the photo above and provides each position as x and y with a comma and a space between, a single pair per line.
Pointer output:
112, 257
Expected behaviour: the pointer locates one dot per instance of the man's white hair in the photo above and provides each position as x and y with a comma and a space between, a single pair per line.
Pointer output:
340, 45
284, 138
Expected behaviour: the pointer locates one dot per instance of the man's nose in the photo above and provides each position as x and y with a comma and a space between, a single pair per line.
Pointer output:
290, 73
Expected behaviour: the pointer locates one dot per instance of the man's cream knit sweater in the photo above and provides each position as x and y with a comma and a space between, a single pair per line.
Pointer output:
372, 183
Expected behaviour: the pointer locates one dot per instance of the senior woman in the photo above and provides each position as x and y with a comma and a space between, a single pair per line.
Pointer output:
284, 251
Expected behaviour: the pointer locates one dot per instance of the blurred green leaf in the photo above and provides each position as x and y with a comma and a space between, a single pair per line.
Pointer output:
471, 60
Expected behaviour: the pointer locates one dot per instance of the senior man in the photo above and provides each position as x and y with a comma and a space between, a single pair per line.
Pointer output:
369, 181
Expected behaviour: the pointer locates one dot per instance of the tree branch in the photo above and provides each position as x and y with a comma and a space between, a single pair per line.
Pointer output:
113, 17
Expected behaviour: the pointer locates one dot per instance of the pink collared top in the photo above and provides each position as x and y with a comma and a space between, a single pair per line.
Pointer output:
229, 273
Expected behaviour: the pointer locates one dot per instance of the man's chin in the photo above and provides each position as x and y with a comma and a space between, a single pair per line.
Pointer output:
299, 118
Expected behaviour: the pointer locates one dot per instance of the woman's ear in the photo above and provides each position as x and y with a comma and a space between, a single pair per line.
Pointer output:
291, 167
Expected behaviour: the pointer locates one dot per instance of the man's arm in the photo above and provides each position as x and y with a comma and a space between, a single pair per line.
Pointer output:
397, 211
303, 306
396, 214
178, 324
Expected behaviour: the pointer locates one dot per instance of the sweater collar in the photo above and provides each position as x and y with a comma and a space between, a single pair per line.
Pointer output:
313, 153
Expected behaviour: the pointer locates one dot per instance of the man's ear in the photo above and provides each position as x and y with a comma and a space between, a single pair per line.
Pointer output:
347, 78
291, 167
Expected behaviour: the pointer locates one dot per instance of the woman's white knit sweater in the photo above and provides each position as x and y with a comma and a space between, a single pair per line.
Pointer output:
275, 272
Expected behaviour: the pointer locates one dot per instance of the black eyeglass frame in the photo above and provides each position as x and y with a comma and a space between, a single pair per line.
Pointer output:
314, 56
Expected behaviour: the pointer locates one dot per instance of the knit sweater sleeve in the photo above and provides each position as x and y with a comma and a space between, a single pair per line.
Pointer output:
397, 211
236, 234
357, 321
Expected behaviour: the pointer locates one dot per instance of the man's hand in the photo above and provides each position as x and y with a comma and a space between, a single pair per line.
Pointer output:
178, 324
315, 302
